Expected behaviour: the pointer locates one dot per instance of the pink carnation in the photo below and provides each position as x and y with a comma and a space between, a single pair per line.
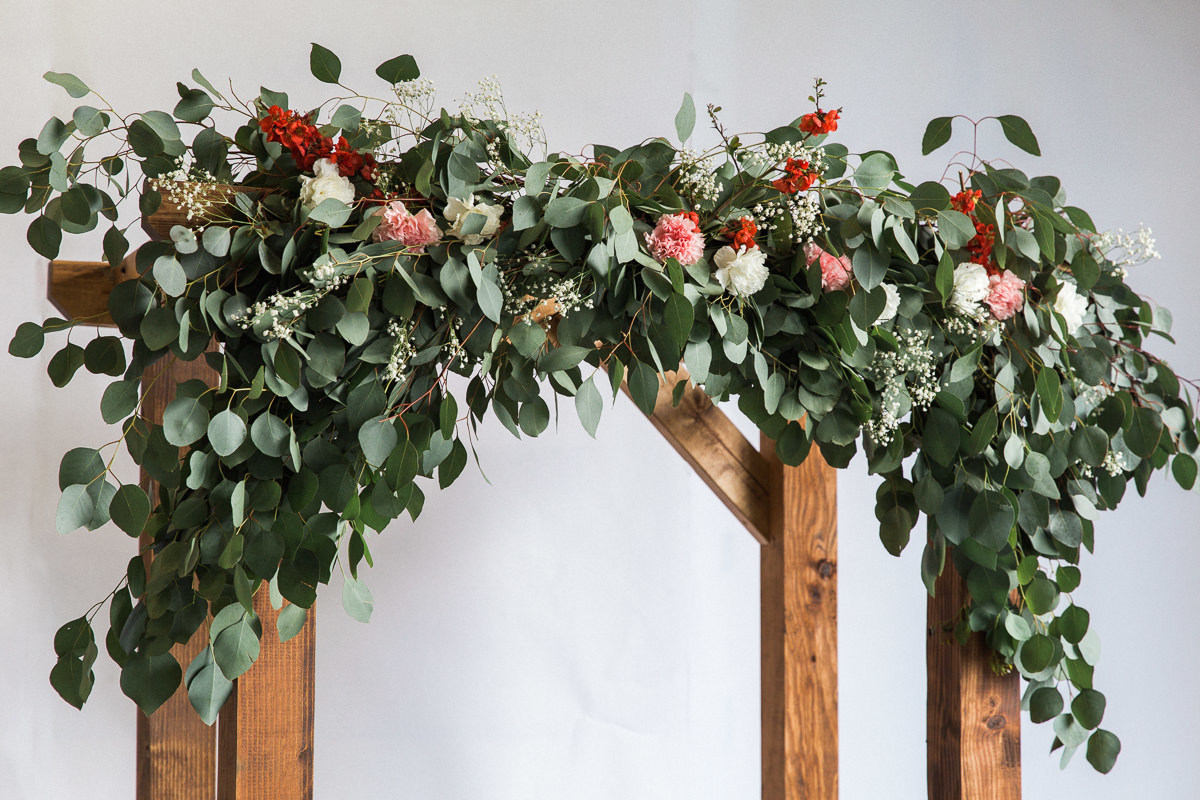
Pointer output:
413, 230
676, 236
1006, 295
835, 270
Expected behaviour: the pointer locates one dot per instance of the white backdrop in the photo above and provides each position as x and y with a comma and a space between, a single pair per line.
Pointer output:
586, 626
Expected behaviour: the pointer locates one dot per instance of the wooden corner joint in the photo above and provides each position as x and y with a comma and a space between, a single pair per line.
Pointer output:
80, 289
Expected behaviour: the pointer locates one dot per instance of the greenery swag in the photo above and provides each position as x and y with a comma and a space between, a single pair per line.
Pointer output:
984, 343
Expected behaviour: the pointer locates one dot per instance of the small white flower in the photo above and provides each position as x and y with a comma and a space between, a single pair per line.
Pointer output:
891, 306
326, 184
457, 211
742, 272
1071, 306
971, 287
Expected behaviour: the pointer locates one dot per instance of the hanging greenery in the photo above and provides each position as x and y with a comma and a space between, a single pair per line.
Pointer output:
377, 276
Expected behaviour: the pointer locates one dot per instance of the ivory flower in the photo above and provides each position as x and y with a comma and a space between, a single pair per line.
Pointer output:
457, 211
326, 184
971, 287
741, 272
1071, 306
891, 306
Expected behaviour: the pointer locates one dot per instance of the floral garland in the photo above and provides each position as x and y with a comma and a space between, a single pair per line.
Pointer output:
983, 345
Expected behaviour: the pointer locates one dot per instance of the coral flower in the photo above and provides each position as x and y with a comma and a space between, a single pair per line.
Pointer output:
742, 233
819, 122
1006, 295
413, 230
676, 236
835, 270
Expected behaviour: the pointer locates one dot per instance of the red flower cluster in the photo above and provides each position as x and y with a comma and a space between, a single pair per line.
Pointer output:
742, 233
306, 144
980, 247
798, 179
965, 200
820, 122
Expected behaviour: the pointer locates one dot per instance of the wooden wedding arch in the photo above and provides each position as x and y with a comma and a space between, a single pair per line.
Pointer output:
262, 746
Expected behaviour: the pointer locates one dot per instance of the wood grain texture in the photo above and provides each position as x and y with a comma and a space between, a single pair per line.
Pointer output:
176, 751
727, 463
215, 198
799, 632
973, 715
266, 727
80, 289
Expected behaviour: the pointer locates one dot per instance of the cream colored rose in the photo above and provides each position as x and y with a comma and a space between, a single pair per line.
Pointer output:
326, 184
741, 272
458, 211
1071, 306
971, 287
891, 306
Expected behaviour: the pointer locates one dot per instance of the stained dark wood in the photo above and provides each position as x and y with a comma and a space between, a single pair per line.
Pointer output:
730, 465
973, 715
799, 632
80, 289
176, 751
266, 737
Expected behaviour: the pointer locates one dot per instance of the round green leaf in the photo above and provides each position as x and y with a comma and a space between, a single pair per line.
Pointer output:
1088, 708
1144, 432
226, 432
357, 600
1102, 751
378, 439
207, 686
1041, 595
119, 400
1045, 704
27, 342
185, 420
270, 434
150, 680
45, 237
236, 646
1036, 653
129, 509
81, 465
325, 66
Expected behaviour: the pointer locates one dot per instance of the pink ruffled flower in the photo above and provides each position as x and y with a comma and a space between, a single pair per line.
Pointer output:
1006, 295
676, 236
835, 270
413, 230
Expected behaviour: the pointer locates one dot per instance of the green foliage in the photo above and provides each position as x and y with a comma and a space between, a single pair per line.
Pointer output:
354, 368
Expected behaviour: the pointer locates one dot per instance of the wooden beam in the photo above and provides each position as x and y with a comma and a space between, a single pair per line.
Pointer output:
973, 722
266, 726
176, 751
799, 632
80, 289
714, 447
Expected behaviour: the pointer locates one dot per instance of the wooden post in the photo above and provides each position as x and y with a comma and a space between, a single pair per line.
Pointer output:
266, 736
176, 751
973, 721
799, 632
266, 727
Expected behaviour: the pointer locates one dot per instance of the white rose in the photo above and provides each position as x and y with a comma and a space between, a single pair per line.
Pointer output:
742, 272
1071, 306
457, 211
326, 184
891, 306
971, 287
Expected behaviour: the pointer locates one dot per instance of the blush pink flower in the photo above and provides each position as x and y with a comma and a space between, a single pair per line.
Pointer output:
413, 230
677, 236
1006, 295
835, 270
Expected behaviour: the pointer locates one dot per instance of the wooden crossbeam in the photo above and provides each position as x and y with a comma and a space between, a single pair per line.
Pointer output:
714, 447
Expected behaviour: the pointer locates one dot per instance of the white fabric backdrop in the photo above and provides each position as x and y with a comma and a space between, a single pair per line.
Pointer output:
586, 626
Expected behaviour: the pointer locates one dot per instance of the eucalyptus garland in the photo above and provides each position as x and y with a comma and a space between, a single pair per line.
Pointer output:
979, 342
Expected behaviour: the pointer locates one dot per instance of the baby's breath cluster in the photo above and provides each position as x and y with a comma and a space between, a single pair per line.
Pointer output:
906, 380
